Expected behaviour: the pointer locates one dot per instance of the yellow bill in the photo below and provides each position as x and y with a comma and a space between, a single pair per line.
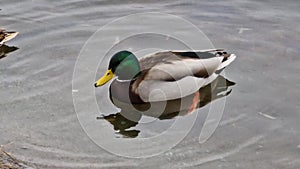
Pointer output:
105, 78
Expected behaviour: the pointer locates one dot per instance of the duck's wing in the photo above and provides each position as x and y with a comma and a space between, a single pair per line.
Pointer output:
176, 70
166, 57
200, 54
154, 59
174, 65
204, 50
182, 71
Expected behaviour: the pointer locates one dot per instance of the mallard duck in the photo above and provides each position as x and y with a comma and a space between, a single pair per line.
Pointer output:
6, 36
164, 75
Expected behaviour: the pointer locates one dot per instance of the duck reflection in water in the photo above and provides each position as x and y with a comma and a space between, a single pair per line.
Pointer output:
4, 50
130, 114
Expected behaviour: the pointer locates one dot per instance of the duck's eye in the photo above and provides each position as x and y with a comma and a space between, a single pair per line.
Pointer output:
107, 74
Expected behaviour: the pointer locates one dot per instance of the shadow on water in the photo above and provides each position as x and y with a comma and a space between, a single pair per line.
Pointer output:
130, 114
4, 50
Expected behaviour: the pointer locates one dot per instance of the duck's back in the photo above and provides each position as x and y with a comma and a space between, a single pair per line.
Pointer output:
155, 59
174, 65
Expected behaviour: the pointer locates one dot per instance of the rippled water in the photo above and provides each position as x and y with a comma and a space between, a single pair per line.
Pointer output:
260, 126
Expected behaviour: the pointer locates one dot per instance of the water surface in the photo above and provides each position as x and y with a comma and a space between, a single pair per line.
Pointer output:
260, 126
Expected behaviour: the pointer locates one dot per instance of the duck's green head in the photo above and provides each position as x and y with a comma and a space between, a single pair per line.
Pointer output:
124, 65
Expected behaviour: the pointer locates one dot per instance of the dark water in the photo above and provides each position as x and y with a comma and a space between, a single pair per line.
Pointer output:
260, 125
